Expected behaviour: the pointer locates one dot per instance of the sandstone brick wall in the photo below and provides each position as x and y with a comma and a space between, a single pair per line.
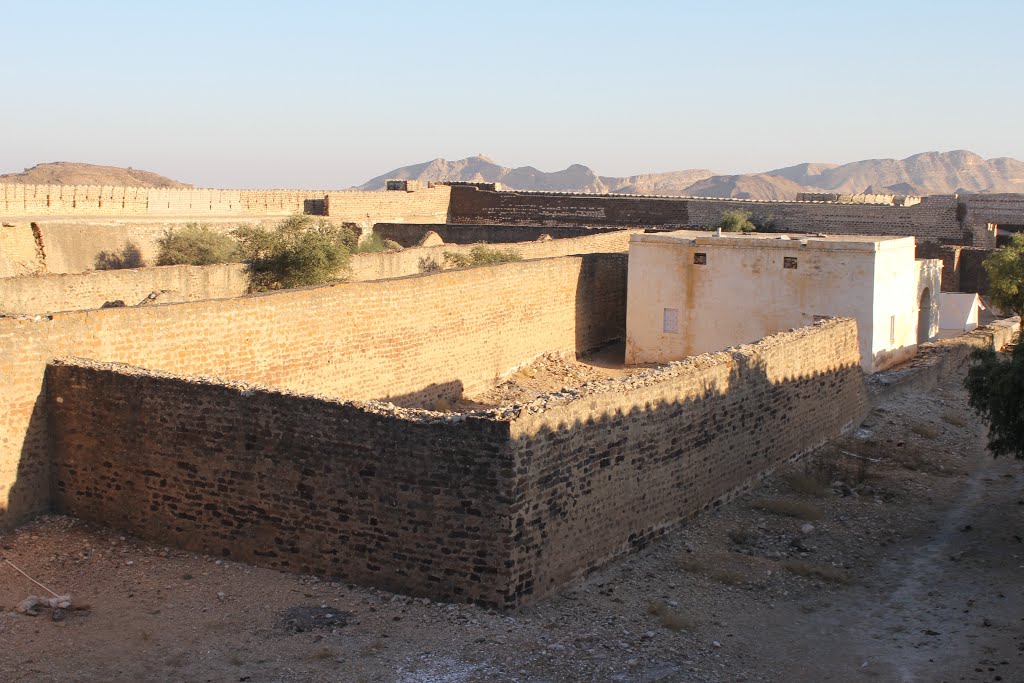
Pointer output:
607, 471
94, 200
68, 292
981, 210
407, 339
410, 234
292, 482
366, 208
935, 218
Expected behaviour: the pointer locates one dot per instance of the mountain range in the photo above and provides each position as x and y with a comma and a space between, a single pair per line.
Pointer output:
958, 171
921, 174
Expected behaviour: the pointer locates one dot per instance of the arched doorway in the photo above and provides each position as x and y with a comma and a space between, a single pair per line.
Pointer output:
924, 316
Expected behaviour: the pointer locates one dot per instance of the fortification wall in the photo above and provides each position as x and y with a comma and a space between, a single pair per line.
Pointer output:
70, 292
366, 208
95, 200
292, 482
611, 469
935, 218
410, 234
406, 340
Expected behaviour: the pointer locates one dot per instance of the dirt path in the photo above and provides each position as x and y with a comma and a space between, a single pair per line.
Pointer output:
944, 607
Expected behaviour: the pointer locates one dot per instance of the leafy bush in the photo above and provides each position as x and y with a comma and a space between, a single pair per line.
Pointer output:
1005, 269
736, 220
196, 244
996, 388
375, 244
128, 257
300, 251
428, 264
481, 255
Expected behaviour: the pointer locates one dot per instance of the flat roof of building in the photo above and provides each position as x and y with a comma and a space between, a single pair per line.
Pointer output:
775, 240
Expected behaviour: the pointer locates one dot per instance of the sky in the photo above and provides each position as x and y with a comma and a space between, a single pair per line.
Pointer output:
329, 94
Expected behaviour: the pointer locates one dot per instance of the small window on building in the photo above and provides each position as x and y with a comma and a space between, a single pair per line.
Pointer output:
789, 262
892, 329
670, 321
700, 259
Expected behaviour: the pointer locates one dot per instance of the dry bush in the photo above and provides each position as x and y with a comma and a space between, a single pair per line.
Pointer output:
429, 265
717, 571
668, 617
925, 431
806, 484
789, 508
954, 419
196, 244
818, 571
742, 536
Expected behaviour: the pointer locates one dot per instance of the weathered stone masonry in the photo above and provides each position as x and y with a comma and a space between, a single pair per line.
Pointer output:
498, 507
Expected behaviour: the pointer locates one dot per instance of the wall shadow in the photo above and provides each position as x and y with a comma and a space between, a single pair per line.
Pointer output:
600, 311
437, 396
30, 492
130, 256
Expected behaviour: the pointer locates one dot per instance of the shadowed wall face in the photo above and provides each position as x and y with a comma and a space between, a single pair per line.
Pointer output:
291, 482
604, 474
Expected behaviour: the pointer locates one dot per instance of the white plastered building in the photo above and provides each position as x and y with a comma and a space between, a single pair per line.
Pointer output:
692, 292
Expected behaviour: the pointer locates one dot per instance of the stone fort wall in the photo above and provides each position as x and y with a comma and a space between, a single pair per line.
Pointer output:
78, 291
292, 482
498, 507
406, 340
934, 218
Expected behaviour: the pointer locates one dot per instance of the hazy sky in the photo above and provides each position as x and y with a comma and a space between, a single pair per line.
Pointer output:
329, 94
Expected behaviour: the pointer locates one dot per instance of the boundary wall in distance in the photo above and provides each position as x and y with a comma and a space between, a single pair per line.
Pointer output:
79, 291
935, 218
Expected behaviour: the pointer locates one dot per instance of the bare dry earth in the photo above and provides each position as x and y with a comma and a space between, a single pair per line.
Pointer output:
910, 570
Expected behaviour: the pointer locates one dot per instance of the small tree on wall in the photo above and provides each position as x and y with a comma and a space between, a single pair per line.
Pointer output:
1005, 268
736, 220
196, 245
996, 383
298, 252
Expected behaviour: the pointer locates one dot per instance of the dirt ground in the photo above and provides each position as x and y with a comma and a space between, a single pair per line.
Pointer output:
893, 554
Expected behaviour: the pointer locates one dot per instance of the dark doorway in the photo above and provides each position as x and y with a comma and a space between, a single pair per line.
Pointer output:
924, 317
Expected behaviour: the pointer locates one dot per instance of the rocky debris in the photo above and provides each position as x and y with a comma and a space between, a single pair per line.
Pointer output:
303, 618
31, 606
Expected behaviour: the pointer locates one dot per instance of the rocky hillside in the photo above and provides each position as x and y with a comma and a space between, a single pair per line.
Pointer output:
69, 173
921, 174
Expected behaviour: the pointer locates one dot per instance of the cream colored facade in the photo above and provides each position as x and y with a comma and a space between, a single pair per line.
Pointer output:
692, 292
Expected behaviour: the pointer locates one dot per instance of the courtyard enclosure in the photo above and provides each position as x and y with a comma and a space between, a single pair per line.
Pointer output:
694, 292
402, 340
497, 507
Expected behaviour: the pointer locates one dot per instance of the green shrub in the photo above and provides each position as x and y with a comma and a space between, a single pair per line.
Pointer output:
129, 257
374, 244
481, 255
298, 252
196, 244
736, 220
